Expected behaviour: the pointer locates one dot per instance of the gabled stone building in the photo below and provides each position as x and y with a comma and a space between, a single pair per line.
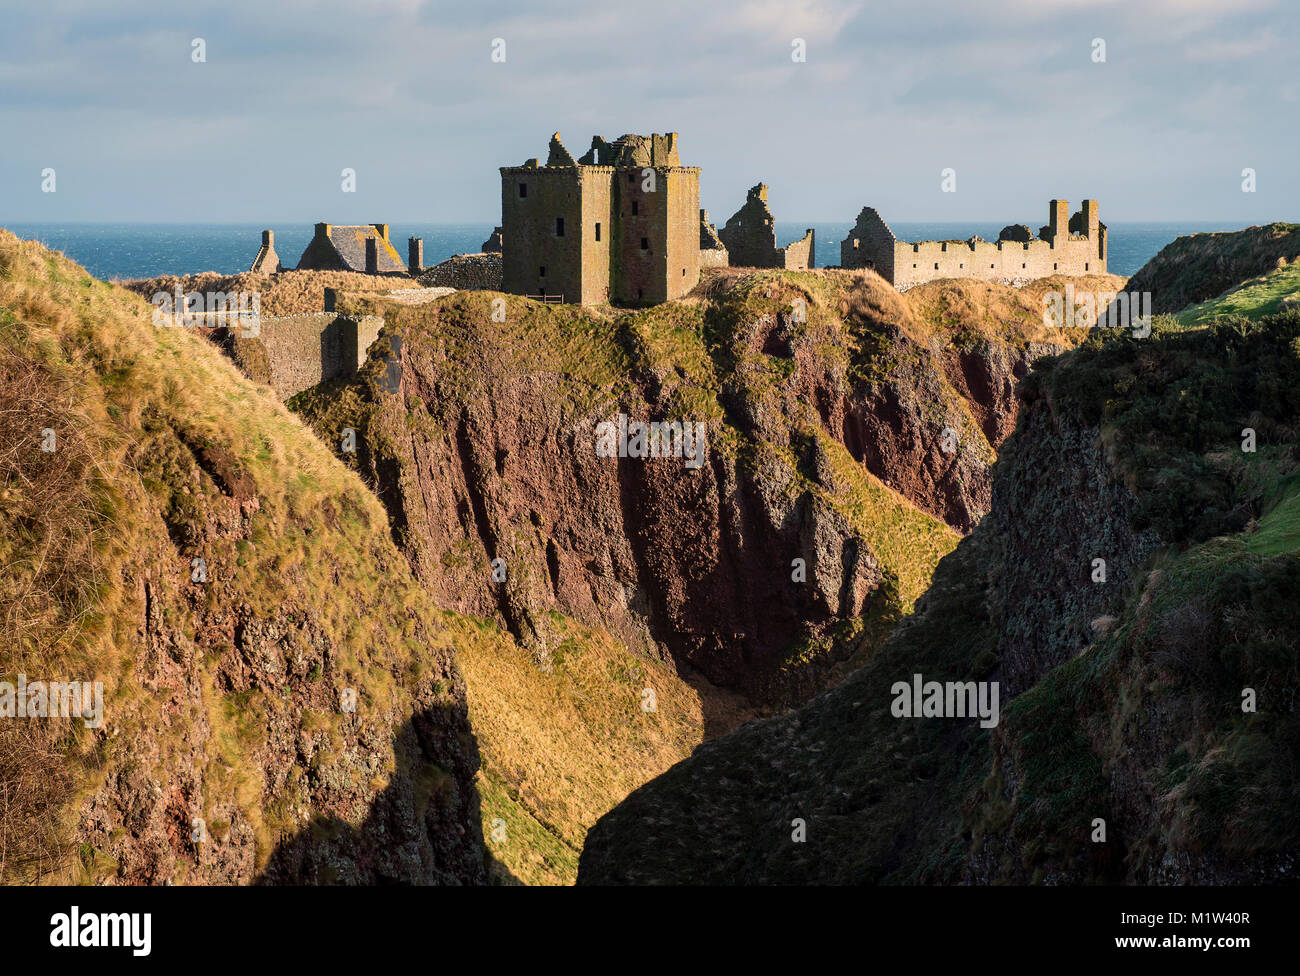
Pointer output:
352, 247
621, 224
1073, 246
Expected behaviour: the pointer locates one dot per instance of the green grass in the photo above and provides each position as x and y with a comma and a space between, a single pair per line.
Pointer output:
1278, 532
1251, 299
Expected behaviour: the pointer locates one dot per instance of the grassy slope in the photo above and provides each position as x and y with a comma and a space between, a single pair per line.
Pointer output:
1199, 267
559, 749
1251, 299
562, 745
125, 398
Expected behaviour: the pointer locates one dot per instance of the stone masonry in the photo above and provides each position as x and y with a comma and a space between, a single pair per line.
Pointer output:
750, 237
292, 353
1066, 245
466, 272
621, 224
713, 253
267, 261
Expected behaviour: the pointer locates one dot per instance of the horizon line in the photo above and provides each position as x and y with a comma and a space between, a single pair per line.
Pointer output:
494, 222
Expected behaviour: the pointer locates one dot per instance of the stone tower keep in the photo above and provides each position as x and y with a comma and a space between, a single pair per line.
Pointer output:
620, 224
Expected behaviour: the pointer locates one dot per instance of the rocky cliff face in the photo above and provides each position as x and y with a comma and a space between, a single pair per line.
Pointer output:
1135, 742
822, 499
270, 670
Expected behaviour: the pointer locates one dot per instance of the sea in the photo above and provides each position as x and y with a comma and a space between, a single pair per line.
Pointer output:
126, 251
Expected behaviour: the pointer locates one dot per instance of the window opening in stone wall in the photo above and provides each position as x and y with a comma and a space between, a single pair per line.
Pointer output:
559, 226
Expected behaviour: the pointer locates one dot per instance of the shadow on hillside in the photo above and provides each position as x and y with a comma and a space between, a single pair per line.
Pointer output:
422, 829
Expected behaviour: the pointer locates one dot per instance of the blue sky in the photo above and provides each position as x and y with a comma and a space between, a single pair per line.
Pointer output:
407, 93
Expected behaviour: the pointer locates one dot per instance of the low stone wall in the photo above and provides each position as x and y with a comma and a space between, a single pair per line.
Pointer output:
468, 272
714, 257
293, 353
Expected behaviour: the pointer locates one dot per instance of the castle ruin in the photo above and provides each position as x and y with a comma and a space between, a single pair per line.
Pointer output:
1066, 245
750, 237
621, 224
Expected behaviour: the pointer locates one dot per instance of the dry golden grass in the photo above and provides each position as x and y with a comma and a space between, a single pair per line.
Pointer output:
286, 293
971, 309
561, 747
83, 357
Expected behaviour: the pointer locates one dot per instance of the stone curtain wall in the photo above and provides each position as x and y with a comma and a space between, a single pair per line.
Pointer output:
1008, 262
466, 272
871, 244
714, 257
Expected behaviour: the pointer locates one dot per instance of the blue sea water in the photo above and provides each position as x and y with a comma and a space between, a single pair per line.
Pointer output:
120, 251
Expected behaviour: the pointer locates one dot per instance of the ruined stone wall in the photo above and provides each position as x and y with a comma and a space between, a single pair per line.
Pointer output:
466, 272
801, 255
713, 253
750, 233
1016, 259
870, 244
295, 352
1004, 261
715, 257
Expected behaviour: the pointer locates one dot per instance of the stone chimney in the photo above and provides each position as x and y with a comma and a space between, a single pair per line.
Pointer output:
415, 255
267, 261
1058, 219
372, 256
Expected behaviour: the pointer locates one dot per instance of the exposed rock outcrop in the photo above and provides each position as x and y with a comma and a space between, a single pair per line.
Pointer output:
751, 568
1126, 749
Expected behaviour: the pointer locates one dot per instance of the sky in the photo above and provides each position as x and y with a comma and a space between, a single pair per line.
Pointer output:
1010, 95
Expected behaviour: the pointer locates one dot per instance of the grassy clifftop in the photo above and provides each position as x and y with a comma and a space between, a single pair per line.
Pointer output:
1275, 291
1199, 267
